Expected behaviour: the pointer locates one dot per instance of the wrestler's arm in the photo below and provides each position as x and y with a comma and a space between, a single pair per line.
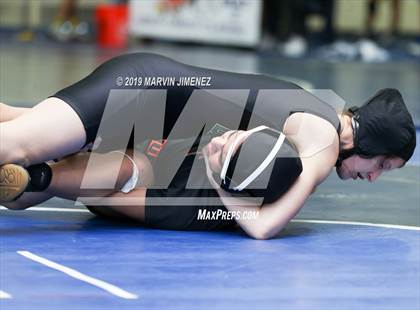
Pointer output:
274, 216
271, 217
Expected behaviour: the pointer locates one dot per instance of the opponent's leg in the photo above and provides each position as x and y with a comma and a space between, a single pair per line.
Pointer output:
111, 206
68, 174
8, 113
51, 129
27, 200
63, 179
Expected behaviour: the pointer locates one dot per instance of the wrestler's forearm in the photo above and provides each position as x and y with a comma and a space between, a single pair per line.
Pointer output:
254, 227
272, 217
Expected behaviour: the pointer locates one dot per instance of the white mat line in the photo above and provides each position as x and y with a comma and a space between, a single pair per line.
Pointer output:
359, 224
4, 295
51, 209
112, 289
405, 227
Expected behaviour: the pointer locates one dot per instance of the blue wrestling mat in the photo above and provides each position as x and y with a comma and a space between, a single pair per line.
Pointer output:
68, 259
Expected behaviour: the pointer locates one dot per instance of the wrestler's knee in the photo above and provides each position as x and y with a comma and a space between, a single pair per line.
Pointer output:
11, 151
16, 205
27, 200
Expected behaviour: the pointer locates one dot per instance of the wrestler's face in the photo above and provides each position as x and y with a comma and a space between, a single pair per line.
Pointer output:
356, 167
217, 148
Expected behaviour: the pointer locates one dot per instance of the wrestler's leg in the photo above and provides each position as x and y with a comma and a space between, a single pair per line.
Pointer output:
67, 176
51, 129
113, 205
8, 113
66, 184
27, 200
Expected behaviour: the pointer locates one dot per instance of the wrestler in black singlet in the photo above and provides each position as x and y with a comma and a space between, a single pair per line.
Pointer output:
88, 98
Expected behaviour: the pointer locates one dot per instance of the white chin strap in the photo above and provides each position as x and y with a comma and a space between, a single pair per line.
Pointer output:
261, 167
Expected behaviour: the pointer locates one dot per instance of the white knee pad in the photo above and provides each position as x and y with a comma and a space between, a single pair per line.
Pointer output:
132, 182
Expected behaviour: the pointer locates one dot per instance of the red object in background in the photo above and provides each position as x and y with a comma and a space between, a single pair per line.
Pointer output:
112, 25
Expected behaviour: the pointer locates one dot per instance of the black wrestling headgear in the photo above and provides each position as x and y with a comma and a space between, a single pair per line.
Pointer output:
382, 126
265, 165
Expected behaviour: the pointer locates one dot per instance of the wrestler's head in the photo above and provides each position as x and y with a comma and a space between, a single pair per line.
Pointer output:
384, 137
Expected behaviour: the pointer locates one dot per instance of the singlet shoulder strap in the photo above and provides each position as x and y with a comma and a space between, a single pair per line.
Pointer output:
330, 117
